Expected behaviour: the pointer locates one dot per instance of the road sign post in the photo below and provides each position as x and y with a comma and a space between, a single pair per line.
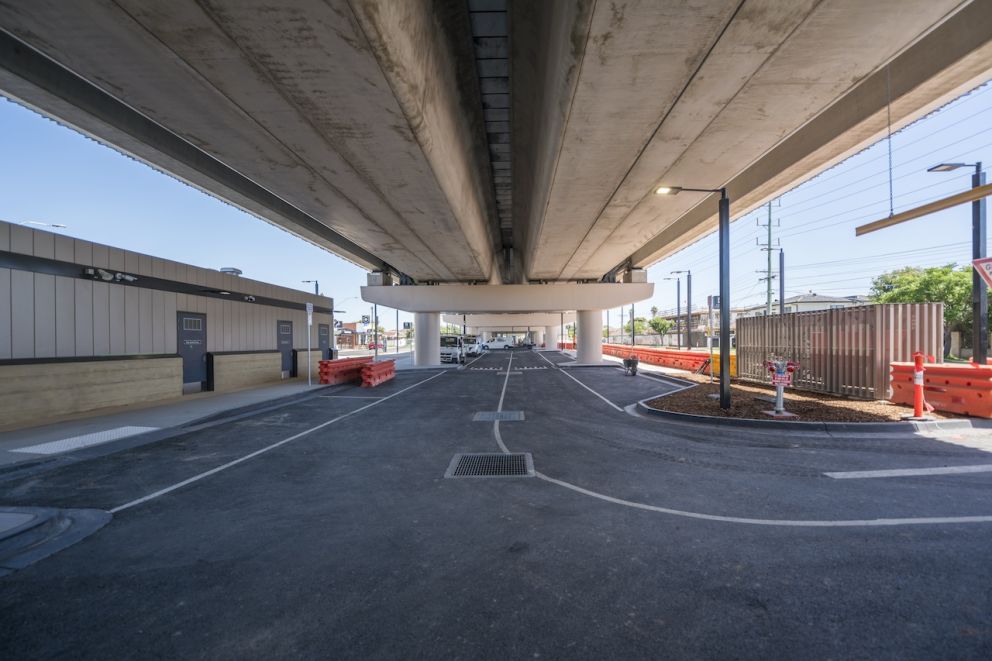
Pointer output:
309, 356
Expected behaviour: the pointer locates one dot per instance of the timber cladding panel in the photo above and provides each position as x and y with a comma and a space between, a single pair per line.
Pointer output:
34, 392
234, 371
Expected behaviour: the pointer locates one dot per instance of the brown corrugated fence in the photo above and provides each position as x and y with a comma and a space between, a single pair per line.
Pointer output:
845, 351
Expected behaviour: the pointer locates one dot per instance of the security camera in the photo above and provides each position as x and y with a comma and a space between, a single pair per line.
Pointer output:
249, 299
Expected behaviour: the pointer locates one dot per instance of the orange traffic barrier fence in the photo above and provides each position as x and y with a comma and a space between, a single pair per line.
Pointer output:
692, 361
375, 373
566, 345
342, 370
964, 388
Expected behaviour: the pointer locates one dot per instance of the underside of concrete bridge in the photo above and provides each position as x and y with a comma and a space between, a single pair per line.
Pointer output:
493, 142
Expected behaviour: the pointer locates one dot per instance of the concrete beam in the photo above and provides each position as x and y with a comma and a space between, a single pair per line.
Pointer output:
508, 298
507, 321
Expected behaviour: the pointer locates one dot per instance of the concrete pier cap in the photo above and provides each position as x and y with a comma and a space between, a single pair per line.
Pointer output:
493, 308
464, 299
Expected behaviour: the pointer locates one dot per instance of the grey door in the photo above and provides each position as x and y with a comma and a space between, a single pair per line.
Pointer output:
284, 342
324, 340
192, 337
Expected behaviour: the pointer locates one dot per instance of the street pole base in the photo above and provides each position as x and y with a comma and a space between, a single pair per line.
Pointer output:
783, 415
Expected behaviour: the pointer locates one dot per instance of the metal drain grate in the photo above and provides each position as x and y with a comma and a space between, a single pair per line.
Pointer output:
492, 416
491, 465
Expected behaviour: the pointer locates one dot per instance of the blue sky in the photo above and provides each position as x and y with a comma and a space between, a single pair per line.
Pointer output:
53, 174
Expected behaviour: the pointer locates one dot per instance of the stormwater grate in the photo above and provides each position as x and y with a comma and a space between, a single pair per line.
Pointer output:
492, 416
491, 465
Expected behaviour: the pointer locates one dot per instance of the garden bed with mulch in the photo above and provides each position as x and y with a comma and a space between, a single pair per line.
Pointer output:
809, 406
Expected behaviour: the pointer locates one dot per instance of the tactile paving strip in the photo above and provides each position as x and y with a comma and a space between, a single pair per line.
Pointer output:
86, 440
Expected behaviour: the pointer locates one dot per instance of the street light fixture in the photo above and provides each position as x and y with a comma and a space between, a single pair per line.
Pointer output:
724, 243
316, 286
979, 294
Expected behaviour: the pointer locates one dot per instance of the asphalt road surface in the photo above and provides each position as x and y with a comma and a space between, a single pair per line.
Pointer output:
326, 529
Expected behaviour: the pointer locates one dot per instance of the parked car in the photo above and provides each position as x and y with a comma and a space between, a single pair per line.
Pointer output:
451, 349
373, 346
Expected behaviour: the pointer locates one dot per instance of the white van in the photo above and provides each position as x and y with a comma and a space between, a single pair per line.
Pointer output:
502, 343
451, 349
471, 345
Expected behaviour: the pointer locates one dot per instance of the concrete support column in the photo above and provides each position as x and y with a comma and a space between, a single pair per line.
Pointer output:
539, 337
552, 335
427, 338
589, 336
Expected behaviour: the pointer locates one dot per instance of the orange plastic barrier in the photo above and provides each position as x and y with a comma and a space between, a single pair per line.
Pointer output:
692, 361
342, 370
566, 345
954, 387
375, 373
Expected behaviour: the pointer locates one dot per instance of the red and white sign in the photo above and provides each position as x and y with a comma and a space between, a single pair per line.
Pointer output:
984, 268
782, 379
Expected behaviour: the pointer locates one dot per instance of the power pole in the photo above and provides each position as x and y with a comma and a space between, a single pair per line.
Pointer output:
768, 247
781, 281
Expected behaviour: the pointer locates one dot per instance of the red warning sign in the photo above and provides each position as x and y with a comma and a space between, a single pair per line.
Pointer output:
984, 268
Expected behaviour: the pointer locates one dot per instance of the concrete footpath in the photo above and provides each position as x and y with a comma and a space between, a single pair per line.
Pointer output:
94, 429
47, 441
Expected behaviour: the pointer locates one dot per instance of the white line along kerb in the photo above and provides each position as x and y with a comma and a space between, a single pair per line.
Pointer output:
212, 471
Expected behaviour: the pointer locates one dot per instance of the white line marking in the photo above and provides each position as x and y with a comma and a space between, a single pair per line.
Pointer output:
86, 440
506, 381
909, 472
565, 372
212, 471
814, 523
347, 397
465, 366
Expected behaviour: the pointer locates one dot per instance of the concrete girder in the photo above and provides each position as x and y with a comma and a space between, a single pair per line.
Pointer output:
291, 96
767, 71
463, 299
950, 60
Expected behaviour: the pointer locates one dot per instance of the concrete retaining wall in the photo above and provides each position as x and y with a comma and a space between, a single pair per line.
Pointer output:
234, 371
34, 392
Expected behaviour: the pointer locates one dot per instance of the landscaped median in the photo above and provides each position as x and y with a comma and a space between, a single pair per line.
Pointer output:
752, 400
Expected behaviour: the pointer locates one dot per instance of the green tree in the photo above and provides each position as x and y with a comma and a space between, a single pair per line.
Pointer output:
660, 325
941, 284
640, 326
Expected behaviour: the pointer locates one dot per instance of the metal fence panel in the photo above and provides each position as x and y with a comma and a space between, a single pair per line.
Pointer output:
845, 351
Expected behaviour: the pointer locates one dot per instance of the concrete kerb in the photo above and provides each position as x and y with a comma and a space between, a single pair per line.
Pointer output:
857, 427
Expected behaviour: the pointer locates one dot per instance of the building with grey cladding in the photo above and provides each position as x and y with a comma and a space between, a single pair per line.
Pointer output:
71, 308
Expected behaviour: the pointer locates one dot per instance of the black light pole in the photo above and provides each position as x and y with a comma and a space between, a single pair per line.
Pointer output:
724, 242
678, 309
979, 294
316, 287
688, 307
633, 328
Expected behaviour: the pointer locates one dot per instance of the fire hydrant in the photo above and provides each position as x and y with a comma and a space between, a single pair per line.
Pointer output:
781, 371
